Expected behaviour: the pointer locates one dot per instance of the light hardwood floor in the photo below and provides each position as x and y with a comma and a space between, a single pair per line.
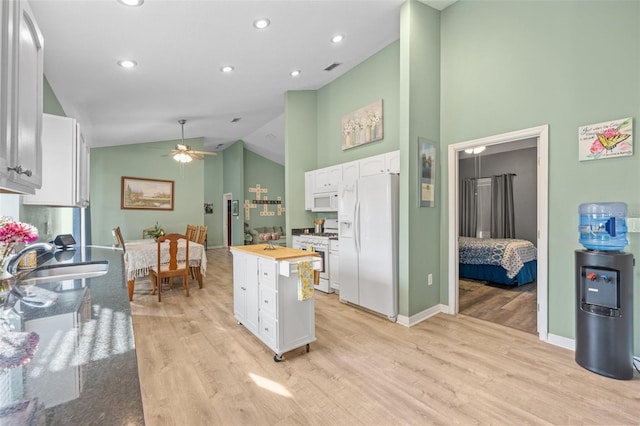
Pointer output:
197, 366
513, 306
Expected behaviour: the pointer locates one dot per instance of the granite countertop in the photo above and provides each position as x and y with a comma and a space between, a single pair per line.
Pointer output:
84, 370
277, 254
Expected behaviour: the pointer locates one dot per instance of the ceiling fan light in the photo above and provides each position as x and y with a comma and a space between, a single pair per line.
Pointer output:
476, 150
182, 157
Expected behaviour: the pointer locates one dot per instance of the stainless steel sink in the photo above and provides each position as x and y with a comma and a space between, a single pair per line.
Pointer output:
69, 271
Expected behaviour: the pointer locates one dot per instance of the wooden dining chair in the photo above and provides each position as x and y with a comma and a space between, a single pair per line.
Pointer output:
117, 237
192, 232
202, 234
174, 268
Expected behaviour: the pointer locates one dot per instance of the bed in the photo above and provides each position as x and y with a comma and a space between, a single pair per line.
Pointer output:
502, 261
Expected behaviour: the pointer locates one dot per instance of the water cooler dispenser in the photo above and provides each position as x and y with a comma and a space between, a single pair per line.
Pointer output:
604, 292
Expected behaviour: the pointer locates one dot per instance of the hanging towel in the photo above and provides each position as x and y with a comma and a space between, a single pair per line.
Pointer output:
305, 279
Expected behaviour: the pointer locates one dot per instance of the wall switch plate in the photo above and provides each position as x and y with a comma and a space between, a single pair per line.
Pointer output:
430, 279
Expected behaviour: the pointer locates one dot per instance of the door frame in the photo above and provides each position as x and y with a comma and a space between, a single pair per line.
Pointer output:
542, 135
225, 217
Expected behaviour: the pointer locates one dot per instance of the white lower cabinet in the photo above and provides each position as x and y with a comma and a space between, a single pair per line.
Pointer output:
245, 290
266, 303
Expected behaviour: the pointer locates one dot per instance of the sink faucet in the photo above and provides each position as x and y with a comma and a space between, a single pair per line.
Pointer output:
12, 264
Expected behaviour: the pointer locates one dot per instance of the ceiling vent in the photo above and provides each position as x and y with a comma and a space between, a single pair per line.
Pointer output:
332, 66
235, 120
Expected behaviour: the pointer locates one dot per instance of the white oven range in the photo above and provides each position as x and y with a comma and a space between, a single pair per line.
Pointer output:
320, 244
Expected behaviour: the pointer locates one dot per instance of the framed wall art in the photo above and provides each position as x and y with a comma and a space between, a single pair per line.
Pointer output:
427, 172
362, 126
606, 140
146, 194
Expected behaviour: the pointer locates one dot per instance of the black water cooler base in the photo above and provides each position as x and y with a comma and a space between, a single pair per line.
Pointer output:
604, 313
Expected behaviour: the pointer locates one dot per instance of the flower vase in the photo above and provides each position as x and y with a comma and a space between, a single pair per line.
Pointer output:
367, 135
7, 281
348, 139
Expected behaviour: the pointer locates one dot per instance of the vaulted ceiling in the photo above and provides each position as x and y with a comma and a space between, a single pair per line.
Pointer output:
180, 48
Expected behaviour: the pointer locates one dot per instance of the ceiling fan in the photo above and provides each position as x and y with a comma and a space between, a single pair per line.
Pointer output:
183, 153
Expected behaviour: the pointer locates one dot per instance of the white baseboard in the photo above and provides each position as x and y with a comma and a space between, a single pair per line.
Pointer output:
421, 316
563, 342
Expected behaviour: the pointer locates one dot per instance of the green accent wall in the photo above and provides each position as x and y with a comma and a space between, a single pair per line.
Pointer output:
300, 147
144, 160
513, 65
50, 103
213, 175
270, 176
419, 113
373, 79
233, 183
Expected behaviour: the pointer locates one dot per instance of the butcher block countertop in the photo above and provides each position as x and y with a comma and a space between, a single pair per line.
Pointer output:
279, 253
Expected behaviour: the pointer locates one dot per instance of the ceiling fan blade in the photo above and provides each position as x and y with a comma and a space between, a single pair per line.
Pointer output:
203, 152
195, 156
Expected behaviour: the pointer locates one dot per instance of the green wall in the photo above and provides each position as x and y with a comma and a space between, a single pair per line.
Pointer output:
213, 175
513, 65
233, 183
270, 176
300, 147
376, 78
145, 160
419, 113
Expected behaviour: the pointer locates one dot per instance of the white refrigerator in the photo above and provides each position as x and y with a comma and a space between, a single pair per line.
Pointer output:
368, 234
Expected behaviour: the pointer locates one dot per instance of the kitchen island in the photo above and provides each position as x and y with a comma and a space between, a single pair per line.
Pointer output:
84, 370
265, 296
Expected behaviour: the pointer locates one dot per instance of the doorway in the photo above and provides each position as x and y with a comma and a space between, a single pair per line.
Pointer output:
226, 219
540, 134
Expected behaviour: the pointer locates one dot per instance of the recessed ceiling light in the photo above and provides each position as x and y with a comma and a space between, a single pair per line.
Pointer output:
226, 69
127, 63
261, 23
132, 3
337, 38
295, 73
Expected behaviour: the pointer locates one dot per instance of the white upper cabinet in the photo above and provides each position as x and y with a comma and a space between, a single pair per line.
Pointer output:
388, 162
328, 179
22, 83
66, 165
350, 172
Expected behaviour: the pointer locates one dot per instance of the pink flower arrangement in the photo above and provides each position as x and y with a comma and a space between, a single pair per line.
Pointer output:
12, 233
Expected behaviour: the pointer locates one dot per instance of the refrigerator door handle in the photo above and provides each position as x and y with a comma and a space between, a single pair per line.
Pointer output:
356, 226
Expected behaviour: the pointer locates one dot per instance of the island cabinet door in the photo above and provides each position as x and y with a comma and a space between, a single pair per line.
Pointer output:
245, 290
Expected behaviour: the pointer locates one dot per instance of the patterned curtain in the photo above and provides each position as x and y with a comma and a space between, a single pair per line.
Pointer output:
468, 207
502, 210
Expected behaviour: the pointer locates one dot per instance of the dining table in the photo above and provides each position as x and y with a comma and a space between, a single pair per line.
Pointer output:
141, 255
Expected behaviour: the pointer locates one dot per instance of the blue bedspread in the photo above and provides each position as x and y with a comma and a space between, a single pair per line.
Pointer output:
511, 254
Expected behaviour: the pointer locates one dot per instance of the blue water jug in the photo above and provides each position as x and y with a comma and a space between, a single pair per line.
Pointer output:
603, 226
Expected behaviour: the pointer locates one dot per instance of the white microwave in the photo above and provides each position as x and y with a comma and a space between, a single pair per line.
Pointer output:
325, 202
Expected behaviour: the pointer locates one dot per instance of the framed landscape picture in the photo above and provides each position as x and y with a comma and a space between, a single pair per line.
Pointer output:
146, 194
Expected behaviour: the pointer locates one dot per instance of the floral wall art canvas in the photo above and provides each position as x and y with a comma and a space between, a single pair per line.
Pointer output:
362, 126
606, 140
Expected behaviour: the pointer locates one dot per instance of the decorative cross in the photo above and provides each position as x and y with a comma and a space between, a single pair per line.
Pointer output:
248, 205
279, 208
265, 210
258, 190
